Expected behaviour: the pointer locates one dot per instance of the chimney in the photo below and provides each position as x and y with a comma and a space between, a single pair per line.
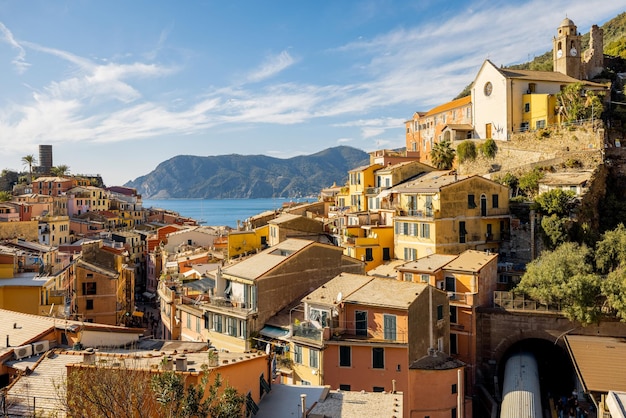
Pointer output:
89, 356
393, 386
8, 345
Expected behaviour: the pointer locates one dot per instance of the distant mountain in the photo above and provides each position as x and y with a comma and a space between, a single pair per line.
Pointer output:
248, 176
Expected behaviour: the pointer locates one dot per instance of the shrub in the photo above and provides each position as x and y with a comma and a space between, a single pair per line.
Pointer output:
489, 148
466, 151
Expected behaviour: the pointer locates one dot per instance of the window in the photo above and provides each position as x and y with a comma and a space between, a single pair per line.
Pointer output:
439, 312
389, 322
360, 322
313, 359
471, 202
425, 230
89, 304
378, 389
454, 389
494, 201
410, 254
231, 324
89, 288
345, 356
344, 387
541, 124
453, 315
217, 323
378, 358
297, 354
440, 346
454, 344
462, 232
188, 321
526, 107
424, 278
305, 383
408, 277
198, 324
369, 256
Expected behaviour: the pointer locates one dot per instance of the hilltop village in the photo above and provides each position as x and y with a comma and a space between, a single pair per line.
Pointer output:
393, 295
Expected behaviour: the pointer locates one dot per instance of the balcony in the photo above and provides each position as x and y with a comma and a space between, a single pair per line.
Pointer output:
461, 298
370, 334
308, 331
218, 305
414, 213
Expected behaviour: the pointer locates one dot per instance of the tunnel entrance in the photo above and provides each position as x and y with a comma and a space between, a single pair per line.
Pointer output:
556, 371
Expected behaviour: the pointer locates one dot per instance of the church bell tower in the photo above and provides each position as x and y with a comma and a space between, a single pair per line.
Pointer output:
566, 53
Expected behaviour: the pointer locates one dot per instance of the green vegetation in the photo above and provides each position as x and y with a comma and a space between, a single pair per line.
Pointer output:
442, 155
558, 202
489, 148
587, 284
529, 182
29, 161
573, 105
101, 391
466, 151
5, 196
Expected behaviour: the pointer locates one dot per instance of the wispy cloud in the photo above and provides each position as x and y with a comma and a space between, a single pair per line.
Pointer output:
272, 66
407, 69
20, 60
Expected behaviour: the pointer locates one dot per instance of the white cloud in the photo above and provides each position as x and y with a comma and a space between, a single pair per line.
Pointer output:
20, 60
272, 66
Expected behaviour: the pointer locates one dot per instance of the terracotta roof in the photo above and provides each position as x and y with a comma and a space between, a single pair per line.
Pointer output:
599, 362
429, 264
566, 179
429, 182
345, 283
389, 293
454, 104
471, 260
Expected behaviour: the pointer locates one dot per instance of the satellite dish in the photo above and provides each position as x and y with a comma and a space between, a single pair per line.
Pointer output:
339, 297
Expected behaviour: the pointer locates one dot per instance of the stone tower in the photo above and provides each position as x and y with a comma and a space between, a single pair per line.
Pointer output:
593, 62
566, 54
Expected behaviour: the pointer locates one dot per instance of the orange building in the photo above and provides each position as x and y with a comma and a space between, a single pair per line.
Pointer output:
360, 326
451, 121
469, 280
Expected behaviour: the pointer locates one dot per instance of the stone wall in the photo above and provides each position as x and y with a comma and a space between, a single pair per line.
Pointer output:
555, 147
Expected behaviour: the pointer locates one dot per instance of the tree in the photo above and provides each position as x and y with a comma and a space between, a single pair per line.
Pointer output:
610, 251
466, 151
131, 392
5, 196
575, 104
529, 182
565, 276
60, 170
614, 288
442, 155
511, 181
555, 230
29, 160
556, 201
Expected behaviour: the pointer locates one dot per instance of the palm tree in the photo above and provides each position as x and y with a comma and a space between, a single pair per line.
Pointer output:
29, 160
60, 170
442, 155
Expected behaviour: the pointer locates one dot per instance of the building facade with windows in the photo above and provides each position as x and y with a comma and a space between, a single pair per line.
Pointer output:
360, 324
443, 213
450, 121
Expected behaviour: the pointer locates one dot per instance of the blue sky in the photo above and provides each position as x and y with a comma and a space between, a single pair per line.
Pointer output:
116, 87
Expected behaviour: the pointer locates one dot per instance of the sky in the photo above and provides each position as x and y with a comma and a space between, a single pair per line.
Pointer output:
117, 87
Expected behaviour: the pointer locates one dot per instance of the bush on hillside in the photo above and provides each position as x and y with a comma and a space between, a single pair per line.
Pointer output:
466, 151
489, 148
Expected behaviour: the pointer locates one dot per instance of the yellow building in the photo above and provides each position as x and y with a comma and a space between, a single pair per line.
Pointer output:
245, 242
540, 110
359, 180
372, 244
443, 213
54, 230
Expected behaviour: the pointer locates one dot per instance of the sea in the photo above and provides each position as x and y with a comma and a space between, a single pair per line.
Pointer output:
220, 212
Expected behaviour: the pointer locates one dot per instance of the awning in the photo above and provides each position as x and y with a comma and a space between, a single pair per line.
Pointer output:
148, 295
599, 362
459, 127
274, 332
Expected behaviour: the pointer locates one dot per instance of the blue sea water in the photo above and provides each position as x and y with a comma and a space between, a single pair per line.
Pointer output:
218, 212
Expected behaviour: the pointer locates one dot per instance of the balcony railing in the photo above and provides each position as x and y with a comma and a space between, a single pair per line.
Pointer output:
307, 331
369, 334
518, 302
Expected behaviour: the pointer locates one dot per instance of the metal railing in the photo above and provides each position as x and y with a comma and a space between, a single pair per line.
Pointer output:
519, 302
